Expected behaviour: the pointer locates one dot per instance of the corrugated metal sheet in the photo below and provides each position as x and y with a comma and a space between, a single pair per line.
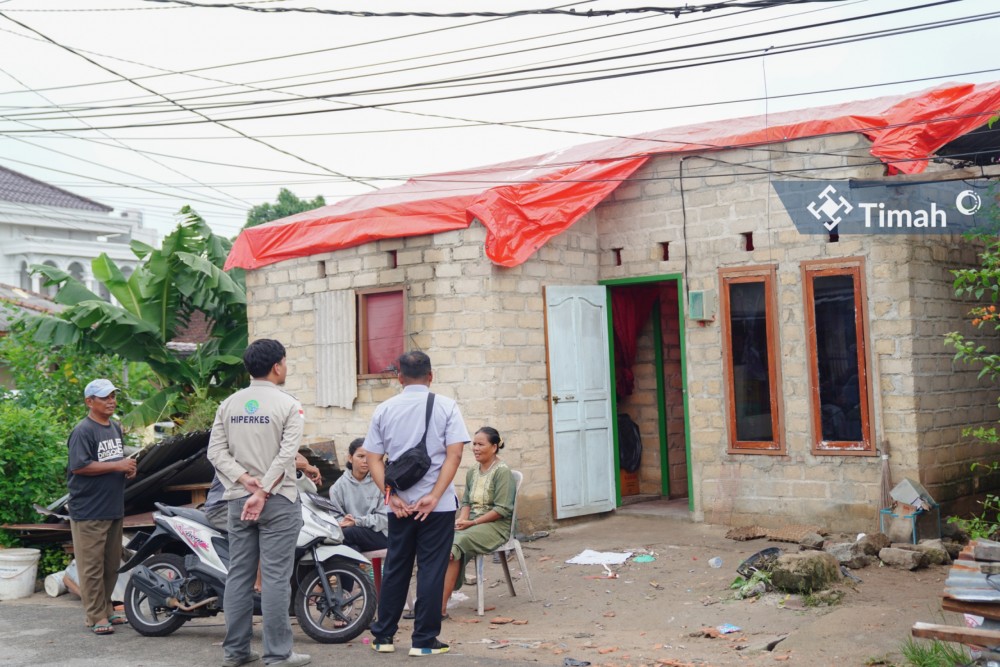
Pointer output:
336, 349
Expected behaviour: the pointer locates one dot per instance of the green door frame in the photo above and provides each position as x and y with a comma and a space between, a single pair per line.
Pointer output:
660, 389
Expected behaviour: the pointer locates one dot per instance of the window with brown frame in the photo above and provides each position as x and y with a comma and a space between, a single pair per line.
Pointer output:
836, 340
381, 330
750, 344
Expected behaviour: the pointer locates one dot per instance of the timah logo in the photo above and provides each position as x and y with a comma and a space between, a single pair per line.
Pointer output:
830, 209
857, 208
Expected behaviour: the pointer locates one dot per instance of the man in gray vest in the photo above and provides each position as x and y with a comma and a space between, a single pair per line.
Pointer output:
254, 441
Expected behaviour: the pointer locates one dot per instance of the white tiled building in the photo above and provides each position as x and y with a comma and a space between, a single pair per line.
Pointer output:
44, 224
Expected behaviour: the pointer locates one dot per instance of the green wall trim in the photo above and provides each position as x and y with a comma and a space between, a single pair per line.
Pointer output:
661, 401
679, 278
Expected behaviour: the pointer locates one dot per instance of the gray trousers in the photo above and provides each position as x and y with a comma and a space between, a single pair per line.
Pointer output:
271, 542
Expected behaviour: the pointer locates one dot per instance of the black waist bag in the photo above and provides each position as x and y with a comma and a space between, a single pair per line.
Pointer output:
414, 463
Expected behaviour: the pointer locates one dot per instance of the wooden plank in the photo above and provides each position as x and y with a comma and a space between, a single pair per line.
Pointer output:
990, 552
984, 609
954, 633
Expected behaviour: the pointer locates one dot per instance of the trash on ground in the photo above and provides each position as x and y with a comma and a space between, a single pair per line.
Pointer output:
763, 561
537, 535
715, 562
644, 558
591, 557
573, 662
711, 633
728, 628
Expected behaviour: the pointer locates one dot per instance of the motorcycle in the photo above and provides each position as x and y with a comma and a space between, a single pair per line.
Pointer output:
180, 571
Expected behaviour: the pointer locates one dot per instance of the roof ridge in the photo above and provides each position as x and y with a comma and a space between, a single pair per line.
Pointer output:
35, 191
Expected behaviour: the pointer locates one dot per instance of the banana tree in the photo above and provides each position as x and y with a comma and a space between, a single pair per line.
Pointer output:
156, 302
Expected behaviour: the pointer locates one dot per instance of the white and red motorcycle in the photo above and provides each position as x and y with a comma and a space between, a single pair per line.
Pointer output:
181, 569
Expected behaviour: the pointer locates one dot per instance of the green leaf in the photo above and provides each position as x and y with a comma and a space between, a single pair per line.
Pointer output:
158, 407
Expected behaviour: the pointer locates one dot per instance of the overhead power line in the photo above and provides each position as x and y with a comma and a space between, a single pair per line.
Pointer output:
480, 78
675, 11
738, 56
196, 112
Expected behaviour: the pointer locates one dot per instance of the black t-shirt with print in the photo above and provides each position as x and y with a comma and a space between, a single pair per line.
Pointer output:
95, 497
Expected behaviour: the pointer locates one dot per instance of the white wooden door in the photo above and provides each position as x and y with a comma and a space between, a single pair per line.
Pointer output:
580, 400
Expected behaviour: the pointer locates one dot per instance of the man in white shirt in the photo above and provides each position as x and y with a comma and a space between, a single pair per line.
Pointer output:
422, 517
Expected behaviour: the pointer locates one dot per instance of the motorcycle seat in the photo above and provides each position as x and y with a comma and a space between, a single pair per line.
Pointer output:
186, 512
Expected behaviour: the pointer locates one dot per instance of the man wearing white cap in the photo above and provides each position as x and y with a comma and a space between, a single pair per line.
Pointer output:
96, 478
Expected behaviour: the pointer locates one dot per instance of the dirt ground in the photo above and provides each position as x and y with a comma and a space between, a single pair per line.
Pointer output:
653, 612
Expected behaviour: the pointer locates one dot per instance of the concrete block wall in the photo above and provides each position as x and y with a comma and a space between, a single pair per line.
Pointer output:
727, 195
949, 395
481, 324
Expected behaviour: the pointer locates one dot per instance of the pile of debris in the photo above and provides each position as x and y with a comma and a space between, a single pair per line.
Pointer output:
174, 471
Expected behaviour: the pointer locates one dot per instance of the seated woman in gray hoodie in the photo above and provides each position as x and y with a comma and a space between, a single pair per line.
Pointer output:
360, 512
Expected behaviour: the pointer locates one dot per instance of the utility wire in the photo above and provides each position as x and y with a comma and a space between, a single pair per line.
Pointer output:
522, 123
478, 79
489, 92
198, 113
252, 84
290, 55
675, 11
116, 141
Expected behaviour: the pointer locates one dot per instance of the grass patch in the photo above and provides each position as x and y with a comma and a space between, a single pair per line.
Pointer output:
934, 653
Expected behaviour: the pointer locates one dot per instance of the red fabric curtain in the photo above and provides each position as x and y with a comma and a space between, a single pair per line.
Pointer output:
630, 309
385, 330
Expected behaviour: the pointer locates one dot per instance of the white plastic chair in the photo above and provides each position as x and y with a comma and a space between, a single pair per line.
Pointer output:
513, 544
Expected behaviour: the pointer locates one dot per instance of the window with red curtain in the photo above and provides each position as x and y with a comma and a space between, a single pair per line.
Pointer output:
381, 331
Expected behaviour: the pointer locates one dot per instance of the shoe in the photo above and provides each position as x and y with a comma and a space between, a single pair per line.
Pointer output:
383, 645
409, 615
236, 662
293, 660
437, 648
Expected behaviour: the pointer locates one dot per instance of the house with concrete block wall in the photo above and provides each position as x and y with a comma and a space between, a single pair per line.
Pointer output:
662, 285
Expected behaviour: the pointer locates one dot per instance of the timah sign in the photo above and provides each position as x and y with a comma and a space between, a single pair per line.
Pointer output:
845, 207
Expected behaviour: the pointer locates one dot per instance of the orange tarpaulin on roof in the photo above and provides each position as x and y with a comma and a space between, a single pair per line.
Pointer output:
526, 202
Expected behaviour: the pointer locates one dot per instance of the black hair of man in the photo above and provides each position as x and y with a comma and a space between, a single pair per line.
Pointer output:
414, 365
261, 356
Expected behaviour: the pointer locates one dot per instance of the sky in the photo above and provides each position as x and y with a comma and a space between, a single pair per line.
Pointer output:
151, 105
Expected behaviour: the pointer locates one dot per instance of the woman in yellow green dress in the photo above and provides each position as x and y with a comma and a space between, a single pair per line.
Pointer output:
483, 521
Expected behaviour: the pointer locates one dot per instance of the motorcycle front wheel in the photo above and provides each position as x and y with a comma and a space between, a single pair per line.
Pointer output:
342, 616
147, 618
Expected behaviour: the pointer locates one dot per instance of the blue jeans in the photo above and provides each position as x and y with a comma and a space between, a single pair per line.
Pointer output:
271, 542
429, 542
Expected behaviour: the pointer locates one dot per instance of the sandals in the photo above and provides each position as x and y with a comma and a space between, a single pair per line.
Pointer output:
117, 619
103, 629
